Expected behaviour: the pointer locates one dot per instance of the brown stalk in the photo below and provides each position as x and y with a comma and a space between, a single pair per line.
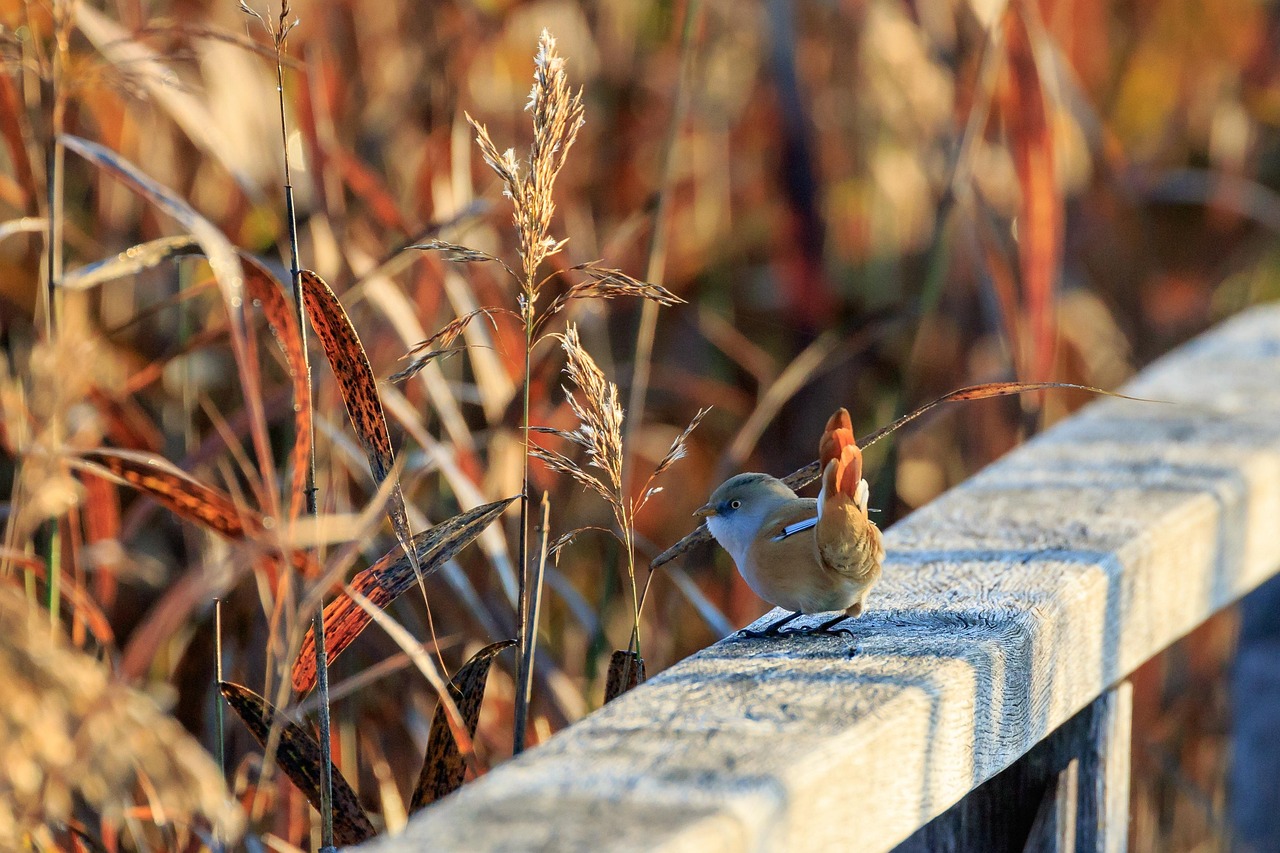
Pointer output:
661, 224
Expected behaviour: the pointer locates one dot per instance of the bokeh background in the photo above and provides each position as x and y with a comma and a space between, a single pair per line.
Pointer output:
865, 203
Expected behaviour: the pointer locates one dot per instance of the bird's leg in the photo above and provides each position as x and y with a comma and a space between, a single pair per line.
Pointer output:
769, 631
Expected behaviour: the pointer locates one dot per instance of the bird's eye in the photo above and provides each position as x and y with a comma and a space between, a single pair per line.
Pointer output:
734, 504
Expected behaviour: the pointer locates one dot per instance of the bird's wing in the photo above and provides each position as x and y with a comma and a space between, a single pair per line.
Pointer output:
789, 514
785, 570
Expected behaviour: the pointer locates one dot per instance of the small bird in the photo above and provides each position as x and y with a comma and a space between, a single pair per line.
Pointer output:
803, 555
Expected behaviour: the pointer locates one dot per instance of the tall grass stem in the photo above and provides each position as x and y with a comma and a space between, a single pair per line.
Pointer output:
658, 240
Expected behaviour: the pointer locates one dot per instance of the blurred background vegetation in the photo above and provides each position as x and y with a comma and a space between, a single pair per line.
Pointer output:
865, 203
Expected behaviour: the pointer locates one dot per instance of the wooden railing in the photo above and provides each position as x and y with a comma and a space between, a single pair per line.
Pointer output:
1011, 611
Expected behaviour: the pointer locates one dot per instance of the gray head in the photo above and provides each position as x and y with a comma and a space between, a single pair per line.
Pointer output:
739, 506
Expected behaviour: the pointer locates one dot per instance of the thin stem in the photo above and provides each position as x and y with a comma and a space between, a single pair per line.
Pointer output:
55, 167
322, 658
53, 273
218, 711
326, 760
658, 240
533, 616
524, 634
629, 543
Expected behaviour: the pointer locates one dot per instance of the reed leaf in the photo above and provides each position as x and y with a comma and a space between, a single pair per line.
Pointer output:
299, 756
359, 388
131, 261
180, 493
268, 293
443, 769
387, 579
626, 670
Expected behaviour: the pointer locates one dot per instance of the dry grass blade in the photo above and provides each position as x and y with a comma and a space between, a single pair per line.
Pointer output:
446, 336
386, 580
608, 283
131, 261
626, 670
443, 769
679, 447
564, 540
299, 756
440, 344
85, 838
816, 357
23, 225
75, 598
180, 493
428, 669
462, 254
143, 66
806, 475
562, 464
224, 260
223, 257
268, 292
415, 367
359, 387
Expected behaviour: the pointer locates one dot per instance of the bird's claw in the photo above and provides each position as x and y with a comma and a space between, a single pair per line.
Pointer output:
825, 629
747, 634
820, 631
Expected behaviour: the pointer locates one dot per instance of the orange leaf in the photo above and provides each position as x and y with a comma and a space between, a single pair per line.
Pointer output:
267, 292
359, 391
180, 493
388, 578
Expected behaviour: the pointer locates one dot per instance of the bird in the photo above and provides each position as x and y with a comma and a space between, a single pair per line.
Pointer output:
803, 555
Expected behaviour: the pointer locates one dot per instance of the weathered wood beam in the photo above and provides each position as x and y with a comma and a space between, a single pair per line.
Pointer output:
1008, 604
1255, 723
1069, 794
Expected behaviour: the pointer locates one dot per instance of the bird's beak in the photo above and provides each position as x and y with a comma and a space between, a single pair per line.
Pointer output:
705, 511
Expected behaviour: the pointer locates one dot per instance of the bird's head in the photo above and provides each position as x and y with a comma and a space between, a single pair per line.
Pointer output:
738, 508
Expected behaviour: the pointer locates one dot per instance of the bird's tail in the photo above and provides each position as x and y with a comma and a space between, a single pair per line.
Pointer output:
841, 462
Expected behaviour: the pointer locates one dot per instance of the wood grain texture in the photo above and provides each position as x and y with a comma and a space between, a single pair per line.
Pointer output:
1069, 793
1007, 605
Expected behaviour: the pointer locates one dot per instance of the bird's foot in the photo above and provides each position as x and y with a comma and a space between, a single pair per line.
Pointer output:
824, 629
773, 630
